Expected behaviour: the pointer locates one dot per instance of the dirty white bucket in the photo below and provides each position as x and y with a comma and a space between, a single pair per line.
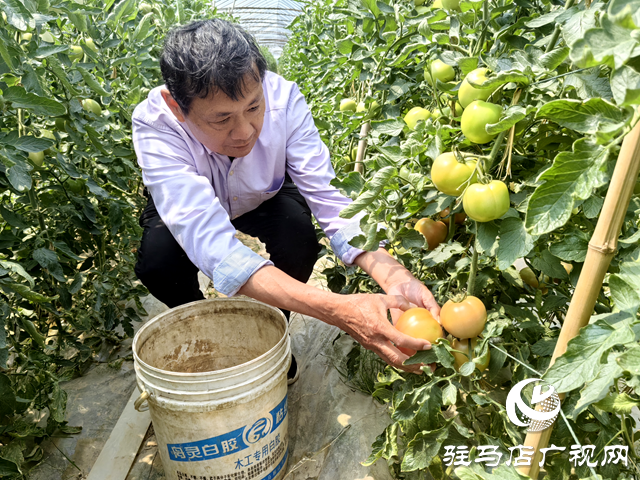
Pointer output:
214, 374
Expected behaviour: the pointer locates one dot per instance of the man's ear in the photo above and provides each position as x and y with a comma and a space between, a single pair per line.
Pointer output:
172, 104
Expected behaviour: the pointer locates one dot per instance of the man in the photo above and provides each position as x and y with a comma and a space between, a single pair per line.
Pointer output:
226, 145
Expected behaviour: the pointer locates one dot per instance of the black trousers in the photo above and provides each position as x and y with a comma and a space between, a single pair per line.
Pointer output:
283, 223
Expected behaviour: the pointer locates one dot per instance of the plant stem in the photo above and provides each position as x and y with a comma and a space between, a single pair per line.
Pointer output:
474, 263
556, 32
494, 151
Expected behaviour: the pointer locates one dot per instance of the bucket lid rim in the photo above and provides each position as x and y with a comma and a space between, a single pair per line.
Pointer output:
158, 318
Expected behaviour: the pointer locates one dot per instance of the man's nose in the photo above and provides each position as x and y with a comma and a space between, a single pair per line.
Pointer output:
243, 130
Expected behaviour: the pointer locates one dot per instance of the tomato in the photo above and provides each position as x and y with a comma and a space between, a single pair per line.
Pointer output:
422, 10
462, 358
419, 323
484, 203
451, 4
60, 124
145, 8
347, 105
90, 43
47, 37
75, 53
529, 277
92, 106
476, 116
75, 185
414, 115
437, 4
459, 217
441, 71
25, 37
372, 108
434, 232
449, 175
418, 3
465, 319
467, 93
37, 158
427, 76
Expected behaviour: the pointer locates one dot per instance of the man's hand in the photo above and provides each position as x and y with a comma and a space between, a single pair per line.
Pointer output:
364, 317
414, 291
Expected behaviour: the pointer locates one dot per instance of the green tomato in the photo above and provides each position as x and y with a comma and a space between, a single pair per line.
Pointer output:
75, 185
437, 4
48, 134
37, 158
47, 37
451, 5
145, 8
418, 3
450, 176
361, 107
468, 93
91, 105
486, 202
529, 277
90, 43
414, 115
347, 105
60, 124
427, 76
475, 118
25, 37
422, 10
441, 71
75, 53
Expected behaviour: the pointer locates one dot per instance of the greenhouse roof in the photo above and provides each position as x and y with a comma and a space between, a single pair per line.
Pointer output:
267, 20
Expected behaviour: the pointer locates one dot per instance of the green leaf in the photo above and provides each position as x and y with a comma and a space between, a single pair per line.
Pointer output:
612, 44
345, 46
376, 185
38, 105
8, 397
573, 176
350, 184
508, 119
629, 361
17, 268
488, 238
141, 31
625, 85
44, 51
58, 403
576, 26
424, 356
18, 15
118, 11
592, 206
32, 144
598, 388
79, 20
49, 260
514, 242
467, 64
385, 445
572, 248
625, 12
422, 449
26, 292
625, 286
391, 127
467, 369
550, 265
581, 362
503, 78
398, 89
593, 116
13, 219
92, 83
554, 58
620, 404
8, 468
589, 84
449, 394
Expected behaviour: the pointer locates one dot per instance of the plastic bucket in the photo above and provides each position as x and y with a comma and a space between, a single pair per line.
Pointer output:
214, 374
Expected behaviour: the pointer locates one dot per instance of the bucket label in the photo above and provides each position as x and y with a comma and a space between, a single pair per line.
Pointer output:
237, 475
233, 442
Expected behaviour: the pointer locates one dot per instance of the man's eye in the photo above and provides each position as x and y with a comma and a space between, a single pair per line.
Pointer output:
253, 109
221, 122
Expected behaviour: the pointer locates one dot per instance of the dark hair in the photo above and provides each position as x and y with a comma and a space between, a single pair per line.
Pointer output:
207, 56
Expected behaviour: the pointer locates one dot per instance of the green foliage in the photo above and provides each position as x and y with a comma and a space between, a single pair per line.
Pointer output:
272, 65
568, 80
69, 227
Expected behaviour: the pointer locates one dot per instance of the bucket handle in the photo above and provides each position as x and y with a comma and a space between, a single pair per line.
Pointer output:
142, 399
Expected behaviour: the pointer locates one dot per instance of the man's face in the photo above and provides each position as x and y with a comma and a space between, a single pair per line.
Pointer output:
224, 125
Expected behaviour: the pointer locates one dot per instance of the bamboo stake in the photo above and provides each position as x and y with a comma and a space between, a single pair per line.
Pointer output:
362, 146
602, 248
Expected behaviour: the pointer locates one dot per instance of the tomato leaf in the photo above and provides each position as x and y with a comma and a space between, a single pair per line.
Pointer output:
385, 445
49, 260
581, 362
612, 44
593, 116
550, 265
625, 286
377, 183
508, 119
503, 78
514, 242
554, 58
625, 85
573, 176
37, 104
422, 449
620, 404
598, 388
629, 361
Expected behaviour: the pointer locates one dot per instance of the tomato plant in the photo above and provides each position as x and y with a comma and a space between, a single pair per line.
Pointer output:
465, 318
414, 115
565, 78
435, 232
419, 323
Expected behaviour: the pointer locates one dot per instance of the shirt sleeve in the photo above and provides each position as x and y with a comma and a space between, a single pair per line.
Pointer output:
189, 207
309, 165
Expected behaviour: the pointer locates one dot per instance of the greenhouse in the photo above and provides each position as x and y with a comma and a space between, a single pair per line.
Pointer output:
347, 239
